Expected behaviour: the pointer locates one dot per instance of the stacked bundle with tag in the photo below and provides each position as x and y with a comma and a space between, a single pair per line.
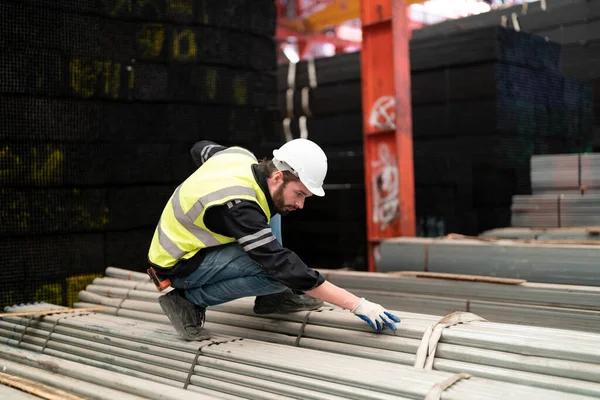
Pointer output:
483, 102
100, 103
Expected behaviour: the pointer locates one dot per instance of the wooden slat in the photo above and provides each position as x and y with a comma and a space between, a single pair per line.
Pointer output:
36, 388
48, 312
459, 277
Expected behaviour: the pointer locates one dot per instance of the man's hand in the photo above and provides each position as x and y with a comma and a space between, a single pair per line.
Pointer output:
374, 315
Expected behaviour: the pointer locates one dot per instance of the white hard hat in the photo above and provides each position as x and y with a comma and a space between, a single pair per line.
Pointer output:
305, 159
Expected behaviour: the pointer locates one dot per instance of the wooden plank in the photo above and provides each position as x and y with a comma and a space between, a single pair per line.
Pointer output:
36, 388
459, 277
48, 312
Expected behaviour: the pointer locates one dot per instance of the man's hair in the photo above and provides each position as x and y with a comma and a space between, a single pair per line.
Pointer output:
268, 168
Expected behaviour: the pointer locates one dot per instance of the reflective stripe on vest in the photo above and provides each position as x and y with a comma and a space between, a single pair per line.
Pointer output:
180, 234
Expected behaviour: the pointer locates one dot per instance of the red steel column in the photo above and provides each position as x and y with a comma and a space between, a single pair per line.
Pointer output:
386, 103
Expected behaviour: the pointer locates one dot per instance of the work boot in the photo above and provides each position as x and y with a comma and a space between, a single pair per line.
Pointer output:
186, 317
285, 302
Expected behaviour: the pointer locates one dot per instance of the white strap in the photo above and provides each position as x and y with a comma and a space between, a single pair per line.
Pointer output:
289, 102
515, 22
305, 101
286, 129
503, 21
303, 127
291, 78
543, 5
435, 393
312, 73
524, 8
426, 351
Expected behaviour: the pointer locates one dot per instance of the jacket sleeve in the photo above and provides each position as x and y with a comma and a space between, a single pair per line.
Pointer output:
203, 150
245, 221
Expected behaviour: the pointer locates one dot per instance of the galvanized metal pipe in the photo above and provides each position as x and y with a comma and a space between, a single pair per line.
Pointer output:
128, 384
77, 387
367, 374
553, 317
549, 263
156, 365
493, 364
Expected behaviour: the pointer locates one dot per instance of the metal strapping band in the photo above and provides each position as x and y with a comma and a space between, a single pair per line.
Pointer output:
524, 8
312, 73
515, 22
503, 21
304, 322
287, 131
291, 78
581, 189
435, 393
24, 330
192, 367
305, 101
426, 258
289, 102
432, 335
199, 353
543, 5
52, 331
558, 209
120, 304
303, 127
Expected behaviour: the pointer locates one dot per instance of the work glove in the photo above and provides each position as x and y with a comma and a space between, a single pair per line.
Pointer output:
374, 315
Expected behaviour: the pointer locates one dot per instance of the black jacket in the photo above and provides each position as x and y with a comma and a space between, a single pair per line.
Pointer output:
245, 221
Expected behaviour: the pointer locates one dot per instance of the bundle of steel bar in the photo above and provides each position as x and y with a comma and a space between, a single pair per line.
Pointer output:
555, 210
578, 234
540, 357
562, 262
150, 360
535, 304
565, 173
565, 192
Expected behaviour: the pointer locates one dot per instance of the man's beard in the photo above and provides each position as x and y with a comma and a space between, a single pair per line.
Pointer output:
279, 202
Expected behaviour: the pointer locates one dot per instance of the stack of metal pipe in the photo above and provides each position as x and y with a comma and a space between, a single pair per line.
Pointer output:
565, 173
513, 302
567, 361
565, 190
588, 233
149, 360
561, 263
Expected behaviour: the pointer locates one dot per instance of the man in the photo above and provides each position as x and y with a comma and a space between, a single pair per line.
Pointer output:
214, 242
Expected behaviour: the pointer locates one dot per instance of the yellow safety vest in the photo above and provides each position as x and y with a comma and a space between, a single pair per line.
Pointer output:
181, 232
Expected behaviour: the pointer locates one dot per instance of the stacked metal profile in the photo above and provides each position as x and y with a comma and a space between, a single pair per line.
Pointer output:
100, 102
573, 234
522, 303
537, 357
572, 23
566, 192
148, 360
483, 102
537, 261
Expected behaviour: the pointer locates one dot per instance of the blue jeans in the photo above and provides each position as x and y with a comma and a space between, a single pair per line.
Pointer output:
228, 273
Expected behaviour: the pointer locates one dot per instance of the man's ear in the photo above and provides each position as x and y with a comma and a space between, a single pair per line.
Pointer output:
277, 176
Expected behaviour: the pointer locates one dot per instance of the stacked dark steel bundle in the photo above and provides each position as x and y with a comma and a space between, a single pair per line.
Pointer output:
484, 101
572, 23
321, 100
100, 102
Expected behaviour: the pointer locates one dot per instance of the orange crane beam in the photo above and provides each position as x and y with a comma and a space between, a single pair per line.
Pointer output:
386, 103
